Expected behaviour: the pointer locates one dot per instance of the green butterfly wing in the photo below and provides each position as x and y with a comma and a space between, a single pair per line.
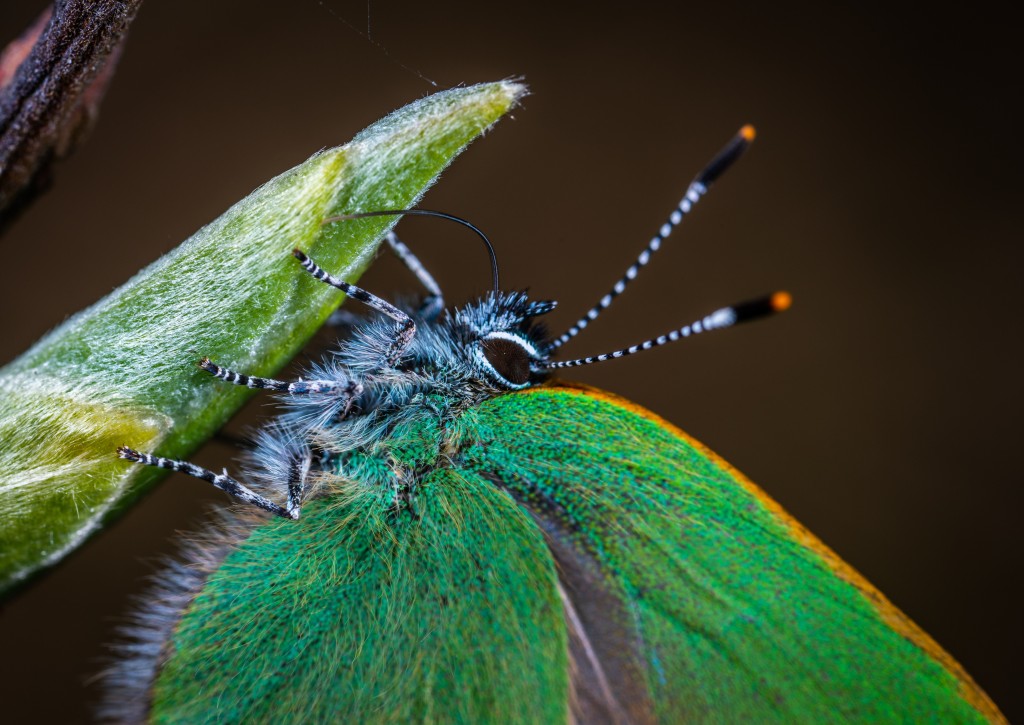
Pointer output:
565, 555
705, 598
354, 616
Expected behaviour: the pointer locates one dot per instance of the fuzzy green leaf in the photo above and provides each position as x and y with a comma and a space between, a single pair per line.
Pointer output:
123, 372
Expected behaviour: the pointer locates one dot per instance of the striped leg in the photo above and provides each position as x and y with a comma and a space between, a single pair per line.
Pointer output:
405, 330
296, 482
348, 388
433, 304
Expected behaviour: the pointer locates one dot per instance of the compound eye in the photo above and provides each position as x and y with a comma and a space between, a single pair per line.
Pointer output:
509, 357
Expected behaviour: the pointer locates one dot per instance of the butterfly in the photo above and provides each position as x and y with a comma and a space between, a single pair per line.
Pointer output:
435, 529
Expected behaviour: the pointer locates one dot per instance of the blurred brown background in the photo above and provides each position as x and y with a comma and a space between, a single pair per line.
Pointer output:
883, 192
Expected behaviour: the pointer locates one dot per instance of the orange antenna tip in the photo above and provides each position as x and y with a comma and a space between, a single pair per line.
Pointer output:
748, 133
781, 301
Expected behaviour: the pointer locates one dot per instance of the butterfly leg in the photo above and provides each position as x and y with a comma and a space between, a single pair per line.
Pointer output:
405, 330
296, 481
348, 388
331, 398
433, 303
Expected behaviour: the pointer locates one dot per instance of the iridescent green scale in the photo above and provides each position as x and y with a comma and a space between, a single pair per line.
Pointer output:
356, 615
618, 552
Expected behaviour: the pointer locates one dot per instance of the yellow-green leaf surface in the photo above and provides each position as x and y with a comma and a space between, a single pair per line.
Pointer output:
123, 372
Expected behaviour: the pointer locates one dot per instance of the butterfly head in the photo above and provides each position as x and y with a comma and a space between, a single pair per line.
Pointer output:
497, 341
503, 343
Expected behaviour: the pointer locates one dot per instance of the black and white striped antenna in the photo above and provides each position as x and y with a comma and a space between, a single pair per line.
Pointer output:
717, 320
698, 187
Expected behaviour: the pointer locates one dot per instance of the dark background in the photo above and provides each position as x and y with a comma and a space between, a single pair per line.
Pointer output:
883, 192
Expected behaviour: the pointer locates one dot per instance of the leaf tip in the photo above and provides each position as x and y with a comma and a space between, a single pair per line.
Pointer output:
515, 89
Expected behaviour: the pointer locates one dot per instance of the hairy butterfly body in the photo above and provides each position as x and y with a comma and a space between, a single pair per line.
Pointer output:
455, 538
